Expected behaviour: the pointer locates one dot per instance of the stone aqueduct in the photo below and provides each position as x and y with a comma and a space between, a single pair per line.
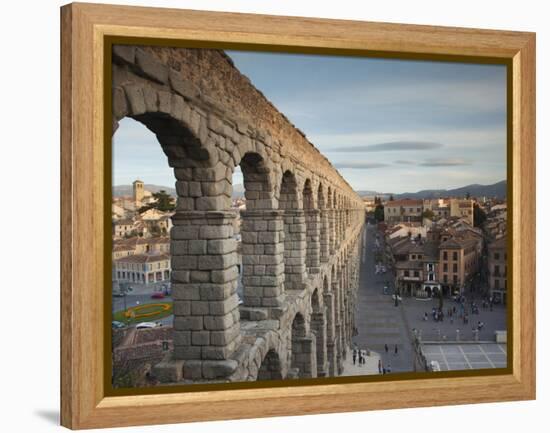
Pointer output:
301, 231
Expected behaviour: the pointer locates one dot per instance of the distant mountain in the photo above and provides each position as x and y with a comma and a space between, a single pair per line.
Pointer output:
121, 190
497, 190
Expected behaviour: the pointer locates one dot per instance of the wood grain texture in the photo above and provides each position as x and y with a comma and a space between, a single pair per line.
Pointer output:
83, 401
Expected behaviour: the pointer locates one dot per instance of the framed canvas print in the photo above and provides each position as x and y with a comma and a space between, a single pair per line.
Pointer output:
309, 215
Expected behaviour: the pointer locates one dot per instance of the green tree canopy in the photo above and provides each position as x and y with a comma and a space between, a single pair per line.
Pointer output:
163, 202
379, 213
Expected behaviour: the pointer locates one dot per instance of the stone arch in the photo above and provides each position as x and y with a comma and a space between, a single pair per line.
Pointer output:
302, 349
324, 241
312, 221
294, 233
270, 368
319, 329
261, 224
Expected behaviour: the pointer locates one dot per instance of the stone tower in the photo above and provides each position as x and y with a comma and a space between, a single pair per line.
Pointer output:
138, 192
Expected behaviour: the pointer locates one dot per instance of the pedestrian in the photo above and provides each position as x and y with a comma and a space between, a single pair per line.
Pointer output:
395, 351
386, 348
379, 366
354, 356
360, 357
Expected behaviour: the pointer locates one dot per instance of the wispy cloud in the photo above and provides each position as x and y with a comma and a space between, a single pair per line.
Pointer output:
392, 146
445, 162
361, 165
404, 162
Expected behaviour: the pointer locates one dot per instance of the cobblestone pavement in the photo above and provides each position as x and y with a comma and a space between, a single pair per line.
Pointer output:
377, 319
370, 366
414, 309
466, 356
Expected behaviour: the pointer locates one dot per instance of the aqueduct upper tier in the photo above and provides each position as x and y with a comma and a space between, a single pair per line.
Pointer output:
301, 230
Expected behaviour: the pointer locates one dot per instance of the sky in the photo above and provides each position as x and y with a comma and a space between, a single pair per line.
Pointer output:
386, 125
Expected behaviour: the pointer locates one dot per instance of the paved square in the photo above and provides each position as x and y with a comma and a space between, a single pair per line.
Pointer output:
466, 356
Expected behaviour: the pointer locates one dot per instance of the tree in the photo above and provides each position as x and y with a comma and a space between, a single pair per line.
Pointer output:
379, 213
163, 202
428, 213
479, 216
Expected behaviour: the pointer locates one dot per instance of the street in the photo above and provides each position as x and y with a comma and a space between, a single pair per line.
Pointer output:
377, 319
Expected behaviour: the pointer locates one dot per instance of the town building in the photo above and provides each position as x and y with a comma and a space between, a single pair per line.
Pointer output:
404, 210
142, 268
498, 269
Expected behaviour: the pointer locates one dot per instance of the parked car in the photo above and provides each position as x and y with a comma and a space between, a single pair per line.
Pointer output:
147, 325
158, 295
115, 324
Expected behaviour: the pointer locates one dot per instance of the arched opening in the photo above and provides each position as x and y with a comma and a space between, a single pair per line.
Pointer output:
143, 203
302, 350
260, 241
331, 220
324, 225
319, 328
270, 369
328, 298
202, 247
294, 234
312, 230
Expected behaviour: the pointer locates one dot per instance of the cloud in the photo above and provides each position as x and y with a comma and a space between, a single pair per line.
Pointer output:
391, 146
362, 165
404, 162
447, 162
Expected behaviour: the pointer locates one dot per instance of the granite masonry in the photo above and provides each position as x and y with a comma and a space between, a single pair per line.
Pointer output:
301, 230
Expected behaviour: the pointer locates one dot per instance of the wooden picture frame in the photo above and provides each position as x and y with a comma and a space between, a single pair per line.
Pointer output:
85, 28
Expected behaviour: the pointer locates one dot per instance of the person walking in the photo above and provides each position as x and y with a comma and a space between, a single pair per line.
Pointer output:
395, 351
354, 356
379, 366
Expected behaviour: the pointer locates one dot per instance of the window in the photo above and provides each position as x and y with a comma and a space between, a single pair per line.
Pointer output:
455, 267
445, 279
455, 255
430, 267
455, 279
416, 274
406, 273
497, 256
420, 257
445, 256
431, 277
413, 256
445, 267
497, 270
497, 284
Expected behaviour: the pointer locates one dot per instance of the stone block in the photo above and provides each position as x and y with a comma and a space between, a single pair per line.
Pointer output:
151, 67
200, 276
168, 371
182, 308
200, 338
184, 262
136, 99
192, 368
225, 275
215, 232
217, 323
214, 262
185, 88
124, 53
185, 292
182, 338
188, 323
219, 369
197, 246
220, 308
222, 246
120, 104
